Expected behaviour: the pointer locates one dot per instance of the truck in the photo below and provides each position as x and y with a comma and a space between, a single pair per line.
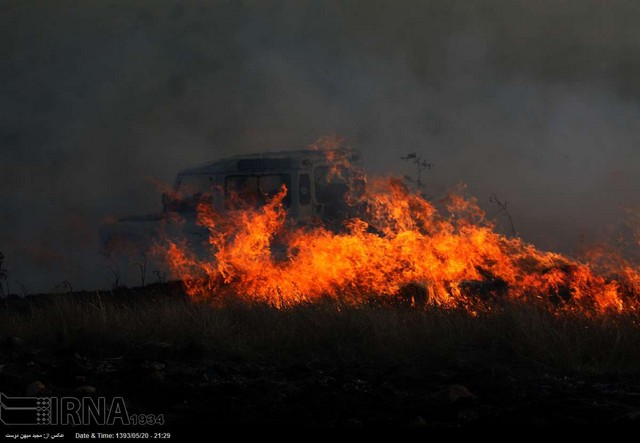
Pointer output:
320, 186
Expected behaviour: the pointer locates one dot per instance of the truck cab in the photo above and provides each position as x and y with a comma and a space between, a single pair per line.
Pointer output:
315, 182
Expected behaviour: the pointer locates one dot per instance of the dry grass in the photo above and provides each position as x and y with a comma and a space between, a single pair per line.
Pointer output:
512, 336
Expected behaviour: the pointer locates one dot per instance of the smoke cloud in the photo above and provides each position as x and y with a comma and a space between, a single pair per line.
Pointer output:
537, 102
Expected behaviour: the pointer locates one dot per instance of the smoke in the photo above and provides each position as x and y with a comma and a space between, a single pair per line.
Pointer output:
534, 101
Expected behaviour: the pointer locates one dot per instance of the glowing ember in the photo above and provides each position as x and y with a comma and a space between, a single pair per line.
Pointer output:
399, 246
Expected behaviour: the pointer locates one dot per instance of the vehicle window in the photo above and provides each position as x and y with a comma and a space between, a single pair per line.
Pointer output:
304, 189
189, 185
191, 190
243, 191
330, 183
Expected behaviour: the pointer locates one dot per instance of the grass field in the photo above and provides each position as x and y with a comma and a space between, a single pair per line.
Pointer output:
325, 364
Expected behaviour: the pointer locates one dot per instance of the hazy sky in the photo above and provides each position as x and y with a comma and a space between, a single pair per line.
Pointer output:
537, 102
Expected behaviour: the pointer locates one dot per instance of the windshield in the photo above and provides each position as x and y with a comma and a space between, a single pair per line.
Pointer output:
191, 190
242, 191
189, 185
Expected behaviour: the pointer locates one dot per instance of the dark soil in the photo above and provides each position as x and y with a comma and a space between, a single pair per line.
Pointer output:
300, 369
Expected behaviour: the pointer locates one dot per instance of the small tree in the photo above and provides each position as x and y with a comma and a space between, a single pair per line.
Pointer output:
421, 166
502, 209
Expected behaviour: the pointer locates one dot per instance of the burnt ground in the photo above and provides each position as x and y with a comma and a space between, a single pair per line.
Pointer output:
195, 386
203, 392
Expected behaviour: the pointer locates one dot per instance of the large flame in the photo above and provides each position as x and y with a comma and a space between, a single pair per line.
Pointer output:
450, 257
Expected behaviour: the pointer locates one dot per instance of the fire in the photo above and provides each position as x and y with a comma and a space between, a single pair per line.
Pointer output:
448, 251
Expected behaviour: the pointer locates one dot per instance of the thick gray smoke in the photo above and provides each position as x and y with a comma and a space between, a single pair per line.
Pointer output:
537, 102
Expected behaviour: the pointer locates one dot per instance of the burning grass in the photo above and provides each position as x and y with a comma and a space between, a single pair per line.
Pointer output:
399, 239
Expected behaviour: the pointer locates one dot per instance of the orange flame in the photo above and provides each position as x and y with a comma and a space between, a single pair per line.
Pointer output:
402, 240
